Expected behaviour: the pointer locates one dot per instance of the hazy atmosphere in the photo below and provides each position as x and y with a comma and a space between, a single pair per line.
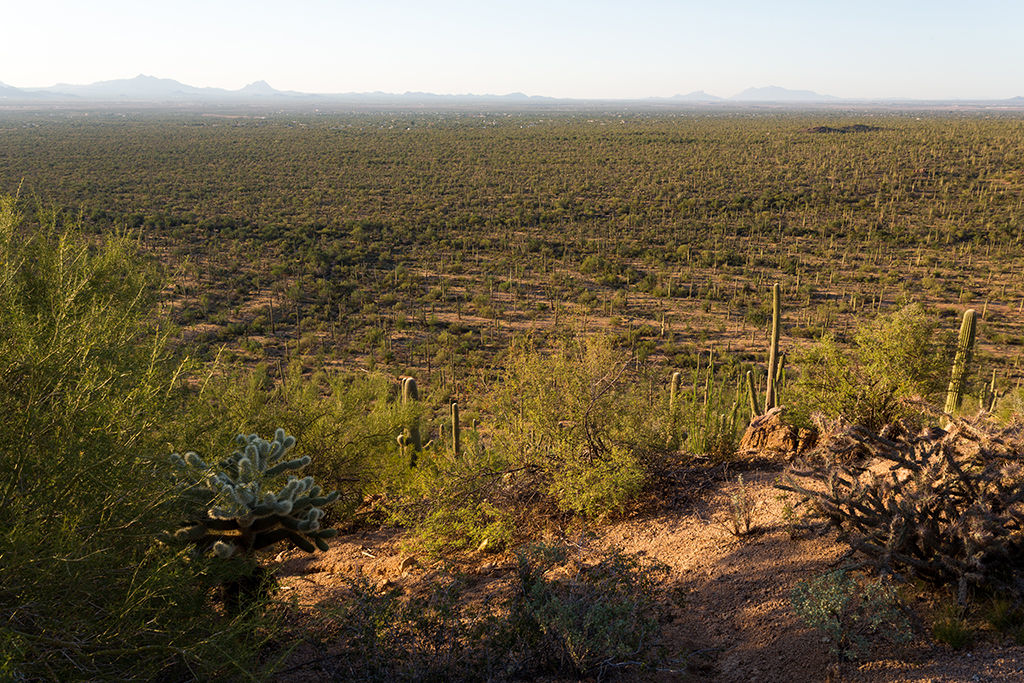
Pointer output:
648, 48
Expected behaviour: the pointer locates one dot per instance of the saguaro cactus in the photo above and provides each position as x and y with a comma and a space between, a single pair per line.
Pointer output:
234, 507
410, 393
456, 430
755, 410
771, 397
964, 353
673, 391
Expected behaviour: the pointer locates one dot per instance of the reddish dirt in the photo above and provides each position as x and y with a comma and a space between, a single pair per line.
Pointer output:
730, 619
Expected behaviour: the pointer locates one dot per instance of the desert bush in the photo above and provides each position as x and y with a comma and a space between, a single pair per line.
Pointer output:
1005, 615
570, 413
570, 433
741, 509
592, 487
952, 628
851, 613
86, 591
346, 424
895, 358
590, 617
906, 350
457, 503
949, 511
430, 637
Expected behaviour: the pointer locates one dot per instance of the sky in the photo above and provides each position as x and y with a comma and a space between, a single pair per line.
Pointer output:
588, 49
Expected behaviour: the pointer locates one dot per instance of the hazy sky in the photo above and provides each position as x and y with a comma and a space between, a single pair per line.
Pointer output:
927, 49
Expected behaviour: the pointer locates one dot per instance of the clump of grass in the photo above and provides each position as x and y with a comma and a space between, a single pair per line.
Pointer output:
1007, 617
741, 509
1004, 615
952, 628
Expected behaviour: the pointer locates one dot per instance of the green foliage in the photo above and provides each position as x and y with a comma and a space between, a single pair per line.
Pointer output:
245, 503
455, 504
86, 593
896, 358
1005, 615
584, 618
904, 350
850, 612
434, 637
574, 413
592, 487
467, 524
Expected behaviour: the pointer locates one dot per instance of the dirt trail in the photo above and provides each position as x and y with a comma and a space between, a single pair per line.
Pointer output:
731, 619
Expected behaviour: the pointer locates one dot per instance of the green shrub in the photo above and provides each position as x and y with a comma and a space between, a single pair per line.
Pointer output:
576, 415
1005, 615
597, 485
590, 617
431, 637
850, 612
895, 357
86, 591
454, 504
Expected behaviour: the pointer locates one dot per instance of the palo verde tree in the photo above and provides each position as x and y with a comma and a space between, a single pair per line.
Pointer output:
86, 592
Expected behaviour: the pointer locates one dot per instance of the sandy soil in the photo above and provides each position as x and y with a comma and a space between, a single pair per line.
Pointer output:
730, 619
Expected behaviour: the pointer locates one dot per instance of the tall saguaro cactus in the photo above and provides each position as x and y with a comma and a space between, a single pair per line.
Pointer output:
673, 391
771, 393
456, 430
964, 353
410, 393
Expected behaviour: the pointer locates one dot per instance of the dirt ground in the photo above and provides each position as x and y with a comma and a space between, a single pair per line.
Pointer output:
730, 619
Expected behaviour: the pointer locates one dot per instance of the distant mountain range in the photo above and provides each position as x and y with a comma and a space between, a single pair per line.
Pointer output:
151, 89
144, 88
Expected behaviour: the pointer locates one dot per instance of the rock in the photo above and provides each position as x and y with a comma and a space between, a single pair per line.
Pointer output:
769, 435
808, 439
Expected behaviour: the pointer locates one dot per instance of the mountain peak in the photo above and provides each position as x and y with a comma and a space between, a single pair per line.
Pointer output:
259, 86
697, 96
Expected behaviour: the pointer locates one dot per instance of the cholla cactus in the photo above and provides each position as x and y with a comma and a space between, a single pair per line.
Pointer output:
235, 508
